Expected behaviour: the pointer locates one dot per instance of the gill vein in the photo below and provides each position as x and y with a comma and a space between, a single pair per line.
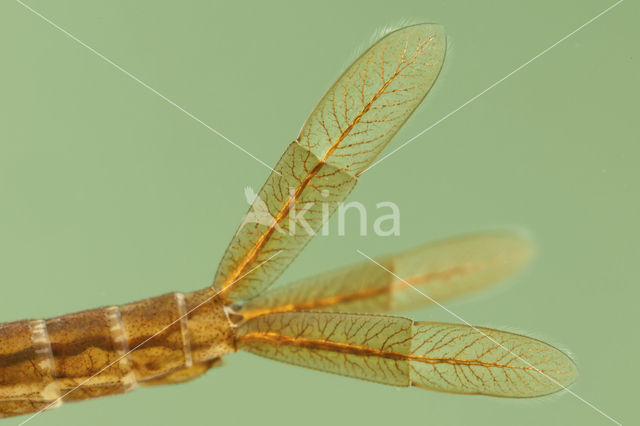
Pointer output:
253, 253
349, 349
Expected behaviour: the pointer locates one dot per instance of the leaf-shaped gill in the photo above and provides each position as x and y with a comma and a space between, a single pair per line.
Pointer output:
348, 128
441, 270
397, 351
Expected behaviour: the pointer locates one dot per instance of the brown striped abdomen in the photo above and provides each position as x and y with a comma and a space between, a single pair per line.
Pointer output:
110, 350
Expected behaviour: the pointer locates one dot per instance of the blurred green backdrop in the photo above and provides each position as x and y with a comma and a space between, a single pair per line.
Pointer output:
110, 194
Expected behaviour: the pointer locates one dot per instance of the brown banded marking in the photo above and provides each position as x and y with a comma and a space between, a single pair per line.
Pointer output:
27, 370
158, 335
111, 350
89, 350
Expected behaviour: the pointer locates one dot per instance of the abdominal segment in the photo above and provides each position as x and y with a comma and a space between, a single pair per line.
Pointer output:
111, 350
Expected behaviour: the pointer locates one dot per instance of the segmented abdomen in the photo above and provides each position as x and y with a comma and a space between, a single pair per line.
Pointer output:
109, 350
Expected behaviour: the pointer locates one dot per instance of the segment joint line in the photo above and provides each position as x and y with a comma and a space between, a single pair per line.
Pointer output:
492, 340
208, 299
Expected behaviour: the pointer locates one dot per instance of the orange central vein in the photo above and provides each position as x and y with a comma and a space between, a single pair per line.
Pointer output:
356, 295
253, 253
315, 304
278, 339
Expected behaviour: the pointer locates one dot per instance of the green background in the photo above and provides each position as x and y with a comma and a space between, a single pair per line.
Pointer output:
109, 194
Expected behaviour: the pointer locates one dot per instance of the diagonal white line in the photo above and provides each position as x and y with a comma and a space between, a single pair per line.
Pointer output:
145, 341
493, 340
493, 85
142, 83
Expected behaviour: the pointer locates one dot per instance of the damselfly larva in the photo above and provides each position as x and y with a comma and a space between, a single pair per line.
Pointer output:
333, 322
